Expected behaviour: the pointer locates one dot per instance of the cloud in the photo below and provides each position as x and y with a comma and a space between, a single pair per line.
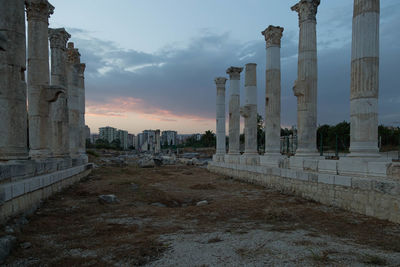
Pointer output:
177, 82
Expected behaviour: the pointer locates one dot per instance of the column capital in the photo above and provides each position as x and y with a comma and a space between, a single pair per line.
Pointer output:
58, 38
73, 55
220, 82
38, 10
273, 35
307, 10
234, 73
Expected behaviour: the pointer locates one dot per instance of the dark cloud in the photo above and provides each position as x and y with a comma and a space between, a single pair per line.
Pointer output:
180, 80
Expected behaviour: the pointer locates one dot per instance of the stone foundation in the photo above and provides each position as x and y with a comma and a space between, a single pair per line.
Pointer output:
25, 194
373, 196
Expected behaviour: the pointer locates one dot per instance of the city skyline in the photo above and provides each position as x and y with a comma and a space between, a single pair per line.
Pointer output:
156, 72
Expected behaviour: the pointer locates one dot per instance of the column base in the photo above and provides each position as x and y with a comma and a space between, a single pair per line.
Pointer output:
232, 158
39, 153
306, 153
219, 158
14, 155
364, 150
250, 159
272, 159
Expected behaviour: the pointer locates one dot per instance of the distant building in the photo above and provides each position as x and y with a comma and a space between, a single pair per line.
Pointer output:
169, 138
108, 133
131, 140
181, 138
87, 132
122, 136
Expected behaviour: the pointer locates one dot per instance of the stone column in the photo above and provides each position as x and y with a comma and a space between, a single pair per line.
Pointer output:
234, 110
220, 127
273, 37
73, 82
305, 88
249, 110
364, 79
81, 108
59, 109
38, 12
157, 148
13, 110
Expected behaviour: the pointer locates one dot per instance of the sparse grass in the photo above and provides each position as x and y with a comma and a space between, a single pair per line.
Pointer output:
374, 260
93, 153
320, 257
260, 249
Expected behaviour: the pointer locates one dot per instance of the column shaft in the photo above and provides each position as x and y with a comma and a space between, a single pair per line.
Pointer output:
234, 110
273, 37
305, 88
364, 79
59, 108
38, 12
13, 109
249, 110
220, 127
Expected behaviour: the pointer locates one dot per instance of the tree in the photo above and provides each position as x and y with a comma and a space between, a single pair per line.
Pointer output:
208, 139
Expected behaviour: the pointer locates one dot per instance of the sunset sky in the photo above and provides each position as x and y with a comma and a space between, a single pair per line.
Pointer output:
151, 64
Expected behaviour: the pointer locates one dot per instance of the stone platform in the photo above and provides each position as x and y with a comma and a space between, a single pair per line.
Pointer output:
24, 184
369, 188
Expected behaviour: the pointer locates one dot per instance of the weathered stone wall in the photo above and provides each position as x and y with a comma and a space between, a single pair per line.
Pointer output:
377, 197
25, 195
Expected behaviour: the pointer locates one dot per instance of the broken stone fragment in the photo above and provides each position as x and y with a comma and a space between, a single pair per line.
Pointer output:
108, 199
202, 203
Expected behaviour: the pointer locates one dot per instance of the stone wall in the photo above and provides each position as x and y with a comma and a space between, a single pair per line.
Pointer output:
377, 197
25, 195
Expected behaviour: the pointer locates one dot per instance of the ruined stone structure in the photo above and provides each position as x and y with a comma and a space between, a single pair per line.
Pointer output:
59, 116
249, 113
234, 113
13, 113
362, 182
37, 123
364, 79
221, 131
273, 37
305, 88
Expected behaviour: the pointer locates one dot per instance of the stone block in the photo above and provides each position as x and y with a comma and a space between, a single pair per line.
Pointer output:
352, 166
300, 175
328, 166
313, 177
361, 183
5, 193
378, 168
276, 171
342, 180
292, 174
386, 187
310, 165
18, 189
296, 163
326, 178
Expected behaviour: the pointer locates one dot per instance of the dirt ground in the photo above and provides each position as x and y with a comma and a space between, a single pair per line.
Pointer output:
157, 223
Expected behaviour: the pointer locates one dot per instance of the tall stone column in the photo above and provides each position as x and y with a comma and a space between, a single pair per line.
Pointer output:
305, 88
273, 37
220, 127
59, 108
249, 110
74, 67
81, 107
39, 96
13, 110
234, 110
364, 79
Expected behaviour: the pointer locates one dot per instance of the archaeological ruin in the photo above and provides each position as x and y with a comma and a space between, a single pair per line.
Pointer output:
42, 144
362, 181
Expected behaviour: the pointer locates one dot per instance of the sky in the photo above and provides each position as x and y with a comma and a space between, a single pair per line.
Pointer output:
151, 64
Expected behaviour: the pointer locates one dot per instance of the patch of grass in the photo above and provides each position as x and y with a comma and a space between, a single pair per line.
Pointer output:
320, 257
374, 260
214, 240
93, 153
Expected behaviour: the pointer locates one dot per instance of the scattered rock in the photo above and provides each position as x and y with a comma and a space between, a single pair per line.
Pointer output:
158, 161
6, 244
146, 163
202, 203
108, 199
26, 245
158, 204
9, 230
